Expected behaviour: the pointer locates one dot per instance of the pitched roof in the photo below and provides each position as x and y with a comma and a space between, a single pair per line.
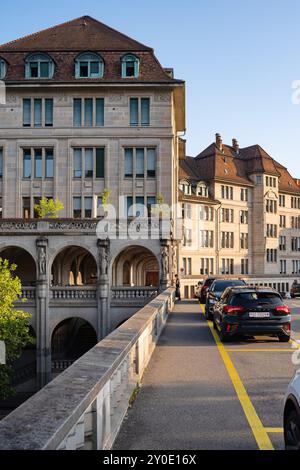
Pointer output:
215, 164
64, 42
80, 34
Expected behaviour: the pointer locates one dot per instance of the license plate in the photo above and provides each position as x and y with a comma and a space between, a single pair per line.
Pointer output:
259, 314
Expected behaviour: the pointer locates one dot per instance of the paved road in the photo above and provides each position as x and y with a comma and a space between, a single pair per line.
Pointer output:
200, 394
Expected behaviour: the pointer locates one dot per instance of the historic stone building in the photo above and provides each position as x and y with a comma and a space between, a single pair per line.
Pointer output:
87, 110
242, 217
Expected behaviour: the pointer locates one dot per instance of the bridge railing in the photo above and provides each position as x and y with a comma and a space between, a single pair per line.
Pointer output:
84, 407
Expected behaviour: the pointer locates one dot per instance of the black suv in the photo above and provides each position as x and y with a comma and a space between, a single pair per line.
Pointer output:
252, 311
216, 290
295, 290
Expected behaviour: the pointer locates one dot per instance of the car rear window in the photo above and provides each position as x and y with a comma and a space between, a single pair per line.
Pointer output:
221, 286
245, 299
209, 282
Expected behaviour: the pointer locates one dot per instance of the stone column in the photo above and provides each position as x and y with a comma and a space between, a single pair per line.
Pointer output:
42, 303
165, 264
103, 323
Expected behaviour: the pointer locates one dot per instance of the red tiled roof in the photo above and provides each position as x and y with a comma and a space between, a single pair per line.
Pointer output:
227, 165
64, 42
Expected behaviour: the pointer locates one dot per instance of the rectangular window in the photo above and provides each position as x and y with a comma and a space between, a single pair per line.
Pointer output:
1, 163
77, 110
151, 163
129, 206
89, 163
151, 201
139, 112
244, 241
245, 266
1, 208
140, 206
49, 112
99, 162
26, 207
88, 112
27, 112
88, 207
134, 111
77, 207
38, 163
44, 68
282, 243
27, 163
129, 163
227, 266
244, 217
49, 163
140, 163
37, 113
77, 163
100, 112
145, 112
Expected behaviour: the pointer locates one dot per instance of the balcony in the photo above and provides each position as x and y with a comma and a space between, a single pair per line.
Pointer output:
133, 296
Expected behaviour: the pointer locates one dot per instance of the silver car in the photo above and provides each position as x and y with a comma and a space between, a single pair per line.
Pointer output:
291, 419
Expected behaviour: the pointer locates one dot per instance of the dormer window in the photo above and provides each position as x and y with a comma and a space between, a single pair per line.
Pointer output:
202, 190
89, 65
186, 188
130, 66
2, 69
39, 66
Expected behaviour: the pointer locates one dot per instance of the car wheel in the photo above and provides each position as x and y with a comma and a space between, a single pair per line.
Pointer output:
223, 335
292, 431
284, 338
208, 315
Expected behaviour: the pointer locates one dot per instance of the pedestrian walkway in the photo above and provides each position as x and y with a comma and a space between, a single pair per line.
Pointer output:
187, 400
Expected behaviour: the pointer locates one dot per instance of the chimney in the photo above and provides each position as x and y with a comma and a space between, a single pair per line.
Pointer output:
219, 142
235, 146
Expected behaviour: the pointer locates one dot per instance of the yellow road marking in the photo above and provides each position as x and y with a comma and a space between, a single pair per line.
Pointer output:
274, 430
294, 343
258, 430
259, 350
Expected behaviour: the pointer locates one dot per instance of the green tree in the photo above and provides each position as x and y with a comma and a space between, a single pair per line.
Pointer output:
48, 208
14, 325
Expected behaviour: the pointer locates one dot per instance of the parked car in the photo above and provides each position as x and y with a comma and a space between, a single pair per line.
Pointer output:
291, 415
295, 290
216, 290
252, 311
202, 291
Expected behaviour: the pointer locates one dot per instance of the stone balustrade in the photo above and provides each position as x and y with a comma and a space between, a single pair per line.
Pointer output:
153, 228
84, 407
129, 293
27, 293
73, 293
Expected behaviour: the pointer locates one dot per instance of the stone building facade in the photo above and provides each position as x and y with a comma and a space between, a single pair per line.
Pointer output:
242, 214
88, 111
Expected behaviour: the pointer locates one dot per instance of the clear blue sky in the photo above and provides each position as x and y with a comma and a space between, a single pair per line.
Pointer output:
238, 57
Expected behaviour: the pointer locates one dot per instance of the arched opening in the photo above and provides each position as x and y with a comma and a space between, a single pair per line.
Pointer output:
135, 266
74, 266
25, 365
71, 339
26, 266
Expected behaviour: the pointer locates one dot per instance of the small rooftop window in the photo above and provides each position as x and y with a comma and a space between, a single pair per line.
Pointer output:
2, 68
39, 66
130, 66
89, 65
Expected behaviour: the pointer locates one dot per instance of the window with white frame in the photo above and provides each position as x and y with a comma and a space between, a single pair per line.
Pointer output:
206, 266
227, 240
206, 213
227, 192
244, 194
244, 241
245, 266
202, 190
227, 215
227, 266
206, 239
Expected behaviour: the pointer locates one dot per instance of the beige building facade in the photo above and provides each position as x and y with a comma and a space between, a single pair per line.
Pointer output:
88, 112
241, 213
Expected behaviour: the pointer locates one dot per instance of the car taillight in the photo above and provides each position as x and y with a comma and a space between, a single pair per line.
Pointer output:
284, 309
233, 309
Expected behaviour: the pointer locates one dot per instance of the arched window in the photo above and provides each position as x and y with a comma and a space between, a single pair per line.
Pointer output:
202, 190
39, 66
185, 187
130, 66
89, 65
2, 68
